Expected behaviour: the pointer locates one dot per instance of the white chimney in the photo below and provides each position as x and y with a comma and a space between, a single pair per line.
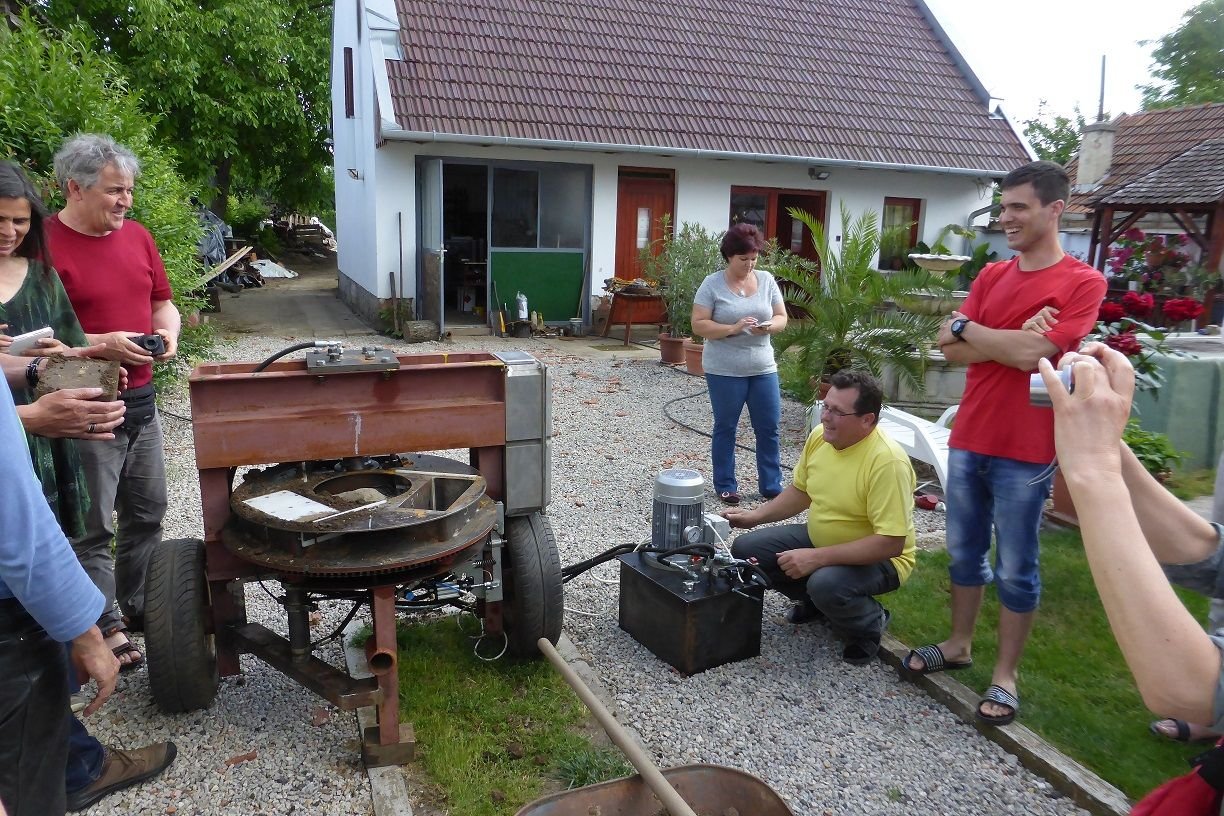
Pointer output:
1095, 155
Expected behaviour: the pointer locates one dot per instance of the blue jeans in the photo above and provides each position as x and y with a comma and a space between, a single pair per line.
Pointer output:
85, 753
728, 396
986, 492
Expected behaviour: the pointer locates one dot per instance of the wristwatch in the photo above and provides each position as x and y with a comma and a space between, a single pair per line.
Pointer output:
958, 326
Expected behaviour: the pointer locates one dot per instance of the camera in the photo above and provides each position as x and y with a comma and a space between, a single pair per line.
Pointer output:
1039, 395
155, 344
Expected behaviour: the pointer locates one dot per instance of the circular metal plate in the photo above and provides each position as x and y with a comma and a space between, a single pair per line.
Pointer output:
317, 519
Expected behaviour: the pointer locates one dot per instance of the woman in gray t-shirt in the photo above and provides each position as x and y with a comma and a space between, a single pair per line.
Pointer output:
736, 310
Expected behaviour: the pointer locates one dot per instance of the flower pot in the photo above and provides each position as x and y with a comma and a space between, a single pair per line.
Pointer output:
671, 349
692, 358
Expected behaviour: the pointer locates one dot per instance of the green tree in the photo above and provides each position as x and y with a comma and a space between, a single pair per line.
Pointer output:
54, 84
1189, 62
240, 87
1054, 137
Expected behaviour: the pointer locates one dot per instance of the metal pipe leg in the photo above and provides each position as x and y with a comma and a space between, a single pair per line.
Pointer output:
382, 606
298, 611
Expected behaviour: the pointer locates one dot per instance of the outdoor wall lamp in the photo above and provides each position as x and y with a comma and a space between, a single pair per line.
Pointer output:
816, 174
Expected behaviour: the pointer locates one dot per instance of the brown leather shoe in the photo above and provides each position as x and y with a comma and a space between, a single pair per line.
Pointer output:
122, 769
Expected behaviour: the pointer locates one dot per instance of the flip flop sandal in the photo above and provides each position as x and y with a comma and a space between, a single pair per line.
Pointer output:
933, 660
999, 696
136, 659
1183, 731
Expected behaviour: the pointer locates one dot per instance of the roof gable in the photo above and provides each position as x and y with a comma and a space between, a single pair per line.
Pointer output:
857, 81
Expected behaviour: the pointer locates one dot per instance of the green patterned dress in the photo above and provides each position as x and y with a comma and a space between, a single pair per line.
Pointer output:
41, 301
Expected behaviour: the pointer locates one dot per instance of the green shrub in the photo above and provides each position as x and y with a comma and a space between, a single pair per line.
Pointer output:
246, 215
56, 84
1153, 450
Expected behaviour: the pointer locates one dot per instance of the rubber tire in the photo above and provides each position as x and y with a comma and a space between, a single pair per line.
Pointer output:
181, 653
533, 597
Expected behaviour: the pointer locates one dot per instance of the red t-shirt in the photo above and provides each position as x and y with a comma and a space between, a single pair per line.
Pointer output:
112, 280
995, 416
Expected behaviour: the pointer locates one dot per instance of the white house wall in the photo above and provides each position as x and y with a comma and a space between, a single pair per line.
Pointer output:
703, 190
376, 186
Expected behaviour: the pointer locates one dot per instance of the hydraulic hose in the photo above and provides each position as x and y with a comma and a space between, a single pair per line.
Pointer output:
290, 350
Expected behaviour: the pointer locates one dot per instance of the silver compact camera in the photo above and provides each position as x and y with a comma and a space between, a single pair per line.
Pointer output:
1039, 395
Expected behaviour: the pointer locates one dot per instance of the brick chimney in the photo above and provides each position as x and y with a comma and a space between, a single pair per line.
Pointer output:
1095, 155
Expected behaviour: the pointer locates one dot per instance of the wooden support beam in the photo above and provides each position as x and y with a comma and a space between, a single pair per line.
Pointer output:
1186, 221
1117, 231
1215, 228
1096, 238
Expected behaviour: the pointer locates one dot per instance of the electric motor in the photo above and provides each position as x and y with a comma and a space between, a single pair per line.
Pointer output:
678, 503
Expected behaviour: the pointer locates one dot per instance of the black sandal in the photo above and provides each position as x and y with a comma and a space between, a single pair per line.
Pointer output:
136, 657
999, 696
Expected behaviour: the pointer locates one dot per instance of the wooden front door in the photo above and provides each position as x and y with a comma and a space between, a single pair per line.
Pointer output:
643, 196
790, 232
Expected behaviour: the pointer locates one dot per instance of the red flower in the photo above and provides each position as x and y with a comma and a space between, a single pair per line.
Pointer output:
1137, 305
1133, 234
1126, 343
1179, 309
1111, 311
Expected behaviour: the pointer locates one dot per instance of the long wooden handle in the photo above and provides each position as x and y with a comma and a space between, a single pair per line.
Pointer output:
651, 775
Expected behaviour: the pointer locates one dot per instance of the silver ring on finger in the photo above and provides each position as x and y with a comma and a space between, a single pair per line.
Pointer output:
91, 427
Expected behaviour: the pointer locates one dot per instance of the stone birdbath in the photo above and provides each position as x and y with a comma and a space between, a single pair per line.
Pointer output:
931, 302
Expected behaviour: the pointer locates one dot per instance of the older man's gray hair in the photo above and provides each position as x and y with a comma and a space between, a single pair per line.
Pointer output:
83, 157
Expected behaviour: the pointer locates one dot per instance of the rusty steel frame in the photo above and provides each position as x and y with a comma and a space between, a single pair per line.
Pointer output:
285, 414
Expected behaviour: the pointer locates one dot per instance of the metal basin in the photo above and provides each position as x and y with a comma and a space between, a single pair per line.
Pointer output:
709, 790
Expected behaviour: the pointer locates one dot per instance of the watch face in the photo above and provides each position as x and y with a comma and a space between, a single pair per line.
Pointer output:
958, 326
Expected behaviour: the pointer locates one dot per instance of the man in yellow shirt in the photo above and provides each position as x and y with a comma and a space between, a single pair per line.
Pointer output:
858, 488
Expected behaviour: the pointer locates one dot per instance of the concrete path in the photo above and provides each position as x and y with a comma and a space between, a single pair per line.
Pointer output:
303, 307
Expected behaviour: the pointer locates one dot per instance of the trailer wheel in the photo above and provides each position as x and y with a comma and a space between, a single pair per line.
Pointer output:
180, 650
534, 600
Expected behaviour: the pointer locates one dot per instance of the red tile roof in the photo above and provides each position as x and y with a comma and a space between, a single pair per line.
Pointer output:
1147, 141
1194, 177
859, 81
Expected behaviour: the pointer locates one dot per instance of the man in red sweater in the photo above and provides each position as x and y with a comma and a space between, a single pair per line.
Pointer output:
1002, 448
115, 278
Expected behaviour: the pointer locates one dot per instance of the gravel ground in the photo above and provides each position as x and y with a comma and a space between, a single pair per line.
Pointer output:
830, 738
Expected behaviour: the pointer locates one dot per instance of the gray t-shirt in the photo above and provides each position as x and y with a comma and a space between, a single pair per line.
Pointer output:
744, 354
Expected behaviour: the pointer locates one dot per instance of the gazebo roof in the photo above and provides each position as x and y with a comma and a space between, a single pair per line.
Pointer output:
1194, 177
1145, 143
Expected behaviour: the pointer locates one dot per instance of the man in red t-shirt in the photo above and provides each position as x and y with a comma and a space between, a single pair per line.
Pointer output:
115, 278
1039, 304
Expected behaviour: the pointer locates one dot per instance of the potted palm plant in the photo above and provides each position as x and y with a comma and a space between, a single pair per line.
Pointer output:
680, 262
844, 319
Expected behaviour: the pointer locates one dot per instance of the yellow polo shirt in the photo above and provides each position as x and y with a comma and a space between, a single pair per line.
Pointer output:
866, 488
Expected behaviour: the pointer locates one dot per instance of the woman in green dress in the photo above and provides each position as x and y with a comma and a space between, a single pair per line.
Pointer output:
32, 297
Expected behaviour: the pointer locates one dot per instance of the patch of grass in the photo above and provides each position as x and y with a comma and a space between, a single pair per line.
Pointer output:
1190, 484
590, 766
491, 735
1075, 689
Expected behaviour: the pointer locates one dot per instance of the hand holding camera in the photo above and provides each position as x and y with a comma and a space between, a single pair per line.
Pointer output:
154, 344
1089, 416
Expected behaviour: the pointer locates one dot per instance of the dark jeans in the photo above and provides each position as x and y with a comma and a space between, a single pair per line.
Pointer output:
126, 475
33, 730
842, 593
85, 753
728, 396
